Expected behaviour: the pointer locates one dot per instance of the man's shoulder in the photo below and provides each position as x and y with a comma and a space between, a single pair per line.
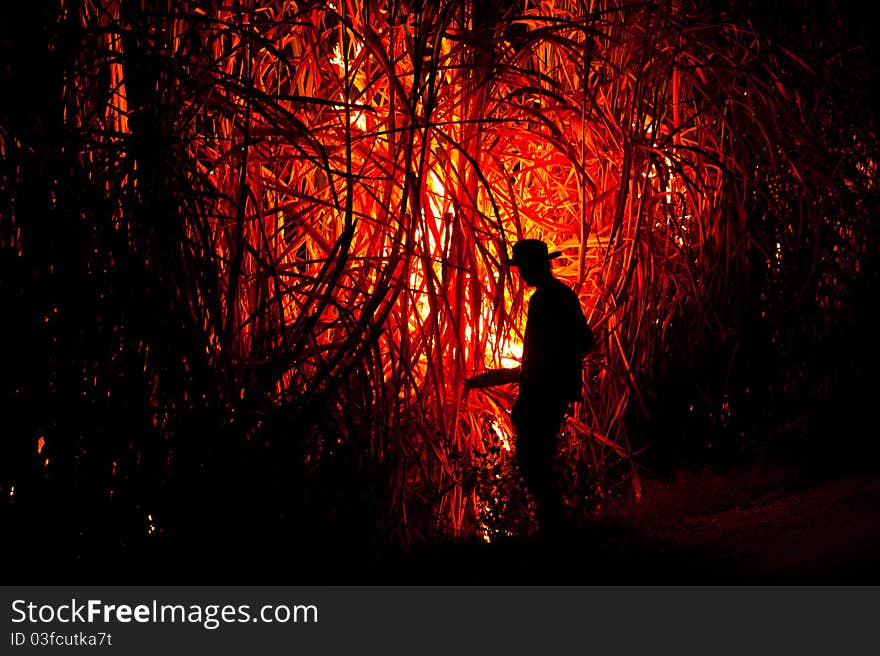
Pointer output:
553, 298
558, 291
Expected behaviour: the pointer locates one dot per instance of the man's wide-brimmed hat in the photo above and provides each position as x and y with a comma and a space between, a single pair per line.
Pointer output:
529, 251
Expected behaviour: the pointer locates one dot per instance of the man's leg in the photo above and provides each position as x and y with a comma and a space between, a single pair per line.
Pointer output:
535, 453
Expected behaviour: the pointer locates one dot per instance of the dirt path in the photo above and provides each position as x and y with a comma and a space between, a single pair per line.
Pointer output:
759, 527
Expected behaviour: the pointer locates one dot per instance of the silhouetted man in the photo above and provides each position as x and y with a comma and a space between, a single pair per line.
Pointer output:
556, 340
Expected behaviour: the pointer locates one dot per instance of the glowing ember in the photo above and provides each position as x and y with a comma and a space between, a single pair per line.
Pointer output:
500, 433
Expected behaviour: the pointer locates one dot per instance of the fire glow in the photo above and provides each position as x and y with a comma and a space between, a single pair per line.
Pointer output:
362, 170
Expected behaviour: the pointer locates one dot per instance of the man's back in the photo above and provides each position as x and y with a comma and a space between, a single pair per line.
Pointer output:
556, 340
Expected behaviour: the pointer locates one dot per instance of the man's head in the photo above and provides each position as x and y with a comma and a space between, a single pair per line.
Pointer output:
530, 256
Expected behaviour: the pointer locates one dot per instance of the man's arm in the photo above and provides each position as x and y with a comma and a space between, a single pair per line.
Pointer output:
492, 377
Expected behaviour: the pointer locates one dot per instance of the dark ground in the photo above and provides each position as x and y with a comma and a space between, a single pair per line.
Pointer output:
780, 519
768, 523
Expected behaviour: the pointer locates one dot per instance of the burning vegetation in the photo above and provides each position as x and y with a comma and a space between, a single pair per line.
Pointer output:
251, 249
